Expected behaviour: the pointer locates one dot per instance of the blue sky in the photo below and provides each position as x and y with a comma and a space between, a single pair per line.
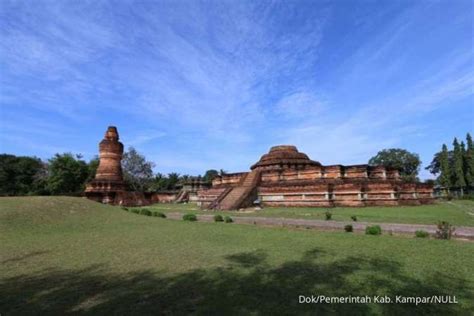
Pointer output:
196, 85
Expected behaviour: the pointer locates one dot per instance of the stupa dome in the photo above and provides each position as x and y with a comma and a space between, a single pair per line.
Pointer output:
284, 155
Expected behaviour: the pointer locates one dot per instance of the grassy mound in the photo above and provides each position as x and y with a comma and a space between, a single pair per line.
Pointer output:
64, 255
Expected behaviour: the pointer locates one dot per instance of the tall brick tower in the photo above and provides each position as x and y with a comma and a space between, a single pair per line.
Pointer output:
108, 184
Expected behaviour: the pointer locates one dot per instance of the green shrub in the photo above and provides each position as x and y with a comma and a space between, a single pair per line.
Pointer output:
354, 218
145, 211
445, 230
228, 219
124, 208
422, 234
373, 230
159, 214
190, 217
328, 215
218, 218
348, 228
136, 211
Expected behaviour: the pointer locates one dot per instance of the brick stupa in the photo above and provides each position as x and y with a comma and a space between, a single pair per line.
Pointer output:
108, 184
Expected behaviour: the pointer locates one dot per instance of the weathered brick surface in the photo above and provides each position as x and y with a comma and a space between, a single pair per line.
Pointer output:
290, 178
108, 185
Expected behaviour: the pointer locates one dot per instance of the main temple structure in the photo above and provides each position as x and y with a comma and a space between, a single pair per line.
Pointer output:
286, 177
283, 177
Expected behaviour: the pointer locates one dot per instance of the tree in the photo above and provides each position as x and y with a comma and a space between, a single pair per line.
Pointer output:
158, 183
469, 161
444, 167
408, 163
18, 175
67, 174
435, 167
458, 170
138, 172
173, 179
209, 175
185, 177
92, 166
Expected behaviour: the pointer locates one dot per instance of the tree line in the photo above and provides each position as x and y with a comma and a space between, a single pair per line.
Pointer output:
455, 168
68, 174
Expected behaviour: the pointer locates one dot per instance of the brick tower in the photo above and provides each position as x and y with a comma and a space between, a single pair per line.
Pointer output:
108, 183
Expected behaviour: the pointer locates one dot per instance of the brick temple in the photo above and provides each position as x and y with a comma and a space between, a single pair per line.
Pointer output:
108, 186
286, 177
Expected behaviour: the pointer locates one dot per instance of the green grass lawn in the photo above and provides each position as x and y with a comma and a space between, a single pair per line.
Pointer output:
457, 212
64, 255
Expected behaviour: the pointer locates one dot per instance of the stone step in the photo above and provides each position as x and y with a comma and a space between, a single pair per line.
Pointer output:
239, 193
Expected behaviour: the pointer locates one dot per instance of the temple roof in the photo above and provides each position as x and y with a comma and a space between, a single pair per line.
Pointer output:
284, 155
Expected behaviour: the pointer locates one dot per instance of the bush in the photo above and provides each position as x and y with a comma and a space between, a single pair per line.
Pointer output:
354, 218
218, 218
422, 234
348, 228
328, 215
445, 230
228, 219
190, 217
136, 211
124, 208
145, 211
159, 214
373, 230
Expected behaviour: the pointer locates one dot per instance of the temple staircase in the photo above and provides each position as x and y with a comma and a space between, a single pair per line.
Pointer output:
215, 204
242, 195
182, 196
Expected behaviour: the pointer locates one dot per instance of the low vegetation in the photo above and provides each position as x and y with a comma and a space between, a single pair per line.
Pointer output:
456, 212
348, 228
328, 215
159, 214
445, 230
190, 217
218, 218
145, 211
228, 219
422, 234
62, 255
373, 230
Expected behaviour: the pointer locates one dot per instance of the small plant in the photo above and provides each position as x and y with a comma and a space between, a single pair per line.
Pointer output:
136, 211
422, 234
145, 211
124, 208
328, 215
354, 218
159, 214
445, 230
348, 228
228, 219
190, 217
218, 218
373, 230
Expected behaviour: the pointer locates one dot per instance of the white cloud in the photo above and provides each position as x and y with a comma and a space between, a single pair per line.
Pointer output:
299, 105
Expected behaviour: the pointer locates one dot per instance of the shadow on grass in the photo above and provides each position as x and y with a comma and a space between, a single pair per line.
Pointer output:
248, 285
24, 257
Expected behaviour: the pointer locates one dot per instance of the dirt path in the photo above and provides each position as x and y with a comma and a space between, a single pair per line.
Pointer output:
460, 232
